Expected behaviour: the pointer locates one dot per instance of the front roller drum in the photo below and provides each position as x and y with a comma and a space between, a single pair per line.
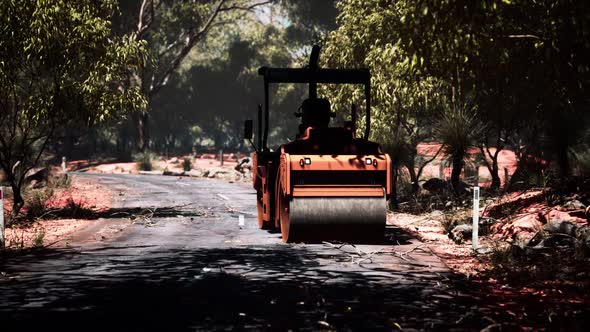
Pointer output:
352, 219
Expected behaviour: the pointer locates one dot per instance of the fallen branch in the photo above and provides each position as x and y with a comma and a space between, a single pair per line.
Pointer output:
364, 256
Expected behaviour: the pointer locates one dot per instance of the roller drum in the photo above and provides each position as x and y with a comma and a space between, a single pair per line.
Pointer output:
337, 218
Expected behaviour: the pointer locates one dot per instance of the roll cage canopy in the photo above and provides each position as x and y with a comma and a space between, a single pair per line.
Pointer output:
305, 75
313, 75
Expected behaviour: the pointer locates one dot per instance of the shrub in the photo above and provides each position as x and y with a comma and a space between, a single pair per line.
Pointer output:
37, 202
187, 165
59, 182
39, 238
144, 161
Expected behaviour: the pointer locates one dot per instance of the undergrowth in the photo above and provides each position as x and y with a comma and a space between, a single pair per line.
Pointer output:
187, 165
144, 161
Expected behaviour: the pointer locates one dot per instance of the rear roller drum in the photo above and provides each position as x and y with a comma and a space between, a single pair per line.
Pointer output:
333, 218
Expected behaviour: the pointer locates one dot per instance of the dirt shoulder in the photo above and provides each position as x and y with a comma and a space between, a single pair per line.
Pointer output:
83, 197
519, 258
235, 167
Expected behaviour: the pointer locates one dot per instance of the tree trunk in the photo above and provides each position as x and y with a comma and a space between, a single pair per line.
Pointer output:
496, 183
142, 129
563, 161
414, 179
493, 168
394, 201
457, 168
18, 201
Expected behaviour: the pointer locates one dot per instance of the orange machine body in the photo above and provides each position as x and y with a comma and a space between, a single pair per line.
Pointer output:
324, 162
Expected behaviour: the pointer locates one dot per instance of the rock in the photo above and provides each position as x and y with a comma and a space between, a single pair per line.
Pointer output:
174, 160
528, 223
555, 214
574, 205
37, 174
216, 172
460, 233
437, 214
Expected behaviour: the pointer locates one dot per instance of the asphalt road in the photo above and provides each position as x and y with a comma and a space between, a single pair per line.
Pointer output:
186, 263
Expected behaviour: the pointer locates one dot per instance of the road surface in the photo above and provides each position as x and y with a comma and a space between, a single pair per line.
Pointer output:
187, 263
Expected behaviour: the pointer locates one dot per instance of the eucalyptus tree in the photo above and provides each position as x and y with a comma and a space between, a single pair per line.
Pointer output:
171, 29
525, 63
60, 65
369, 35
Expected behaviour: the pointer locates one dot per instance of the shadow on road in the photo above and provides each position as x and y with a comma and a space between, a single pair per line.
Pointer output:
273, 287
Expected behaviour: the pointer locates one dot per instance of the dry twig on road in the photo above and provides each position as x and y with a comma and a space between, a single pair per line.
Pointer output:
368, 256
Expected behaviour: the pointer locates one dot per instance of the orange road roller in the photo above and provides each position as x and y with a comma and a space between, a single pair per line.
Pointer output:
327, 184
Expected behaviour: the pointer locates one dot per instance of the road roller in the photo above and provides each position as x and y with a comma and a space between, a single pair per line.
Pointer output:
326, 184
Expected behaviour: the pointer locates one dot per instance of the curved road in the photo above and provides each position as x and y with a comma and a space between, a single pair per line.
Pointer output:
188, 264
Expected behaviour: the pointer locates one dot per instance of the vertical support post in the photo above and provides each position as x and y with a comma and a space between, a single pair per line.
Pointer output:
367, 110
2, 241
221, 157
266, 117
474, 233
64, 164
259, 130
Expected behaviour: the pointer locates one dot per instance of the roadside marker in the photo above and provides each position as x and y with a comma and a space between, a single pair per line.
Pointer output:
474, 235
223, 196
241, 220
1, 217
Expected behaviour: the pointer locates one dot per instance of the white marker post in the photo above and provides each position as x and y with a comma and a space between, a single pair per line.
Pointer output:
241, 220
1, 218
64, 164
474, 235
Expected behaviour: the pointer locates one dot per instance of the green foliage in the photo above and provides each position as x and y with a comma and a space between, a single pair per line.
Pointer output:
218, 87
403, 97
39, 238
311, 19
60, 65
524, 65
144, 161
458, 129
187, 164
36, 205
60, 181
61, 62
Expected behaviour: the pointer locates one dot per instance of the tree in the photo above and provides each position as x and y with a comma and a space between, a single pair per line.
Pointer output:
458, 129
402, 95
524, 63
171, 29
60, 65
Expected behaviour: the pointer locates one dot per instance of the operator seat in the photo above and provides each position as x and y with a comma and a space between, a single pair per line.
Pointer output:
315, 112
